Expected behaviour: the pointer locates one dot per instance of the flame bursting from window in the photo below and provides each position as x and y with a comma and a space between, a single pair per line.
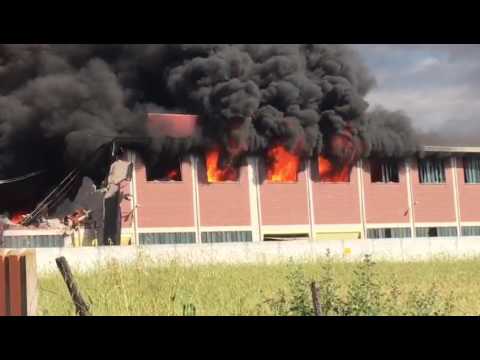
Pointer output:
284, 165
331, 173
215, 173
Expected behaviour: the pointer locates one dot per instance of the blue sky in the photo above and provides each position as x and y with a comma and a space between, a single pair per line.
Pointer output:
438, 86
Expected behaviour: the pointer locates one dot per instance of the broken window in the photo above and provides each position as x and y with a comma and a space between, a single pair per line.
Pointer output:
164, 170
384, 171
431, 171
471, 167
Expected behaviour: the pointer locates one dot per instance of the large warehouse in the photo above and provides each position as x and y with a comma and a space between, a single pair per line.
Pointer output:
430, 197
194, 201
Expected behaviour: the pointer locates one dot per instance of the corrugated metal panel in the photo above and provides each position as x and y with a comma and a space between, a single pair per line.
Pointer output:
226, 236
36, 241
167, 238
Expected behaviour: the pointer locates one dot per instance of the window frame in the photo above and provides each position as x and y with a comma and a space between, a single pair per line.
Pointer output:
316, 176
160, 238
203, 173
263, 170
472, 229
465, 160
180, 167
392, 231
425, 161
381, 163
211, 237
435, 229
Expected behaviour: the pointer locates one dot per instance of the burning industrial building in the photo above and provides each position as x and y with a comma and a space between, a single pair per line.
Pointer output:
267, 122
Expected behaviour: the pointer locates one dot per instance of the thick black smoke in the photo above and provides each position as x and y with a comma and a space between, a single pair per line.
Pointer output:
59, 103
388, 134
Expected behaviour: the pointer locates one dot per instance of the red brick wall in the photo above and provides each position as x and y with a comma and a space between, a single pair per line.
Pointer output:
385, 202
165, 204
433, 202
336, 203
284, 203
224, 204
469, 196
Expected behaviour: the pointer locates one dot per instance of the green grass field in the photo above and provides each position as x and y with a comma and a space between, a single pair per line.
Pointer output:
146, 289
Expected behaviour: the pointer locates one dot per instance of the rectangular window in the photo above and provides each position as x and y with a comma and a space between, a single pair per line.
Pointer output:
166, 238
387, 233
282, 166
220, 169
447, 231
384, 171
330, 172
285, 237
226, 237
431, 171
36, 241
471, 167
470, 230
164, 170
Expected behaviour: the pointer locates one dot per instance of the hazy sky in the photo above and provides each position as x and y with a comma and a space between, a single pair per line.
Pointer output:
438, 86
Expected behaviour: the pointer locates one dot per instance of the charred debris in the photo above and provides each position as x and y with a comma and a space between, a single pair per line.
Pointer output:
88, 197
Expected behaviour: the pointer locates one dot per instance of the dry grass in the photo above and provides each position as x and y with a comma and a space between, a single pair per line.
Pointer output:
146, 289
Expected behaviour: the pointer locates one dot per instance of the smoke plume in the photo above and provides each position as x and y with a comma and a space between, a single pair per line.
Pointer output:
59, 103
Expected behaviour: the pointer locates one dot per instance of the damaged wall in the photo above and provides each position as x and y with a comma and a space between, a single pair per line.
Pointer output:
88, 198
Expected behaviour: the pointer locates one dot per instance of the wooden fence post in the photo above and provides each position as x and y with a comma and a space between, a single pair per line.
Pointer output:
317, 307
81, 306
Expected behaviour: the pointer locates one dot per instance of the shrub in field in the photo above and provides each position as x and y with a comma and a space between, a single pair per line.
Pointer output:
429, 303
365, 295
301, 302
298, 300
329, 289
189, 310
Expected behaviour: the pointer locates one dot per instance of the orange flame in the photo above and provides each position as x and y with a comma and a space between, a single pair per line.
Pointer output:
330, 173
18, 217
215, 173
174, 175
284, 165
